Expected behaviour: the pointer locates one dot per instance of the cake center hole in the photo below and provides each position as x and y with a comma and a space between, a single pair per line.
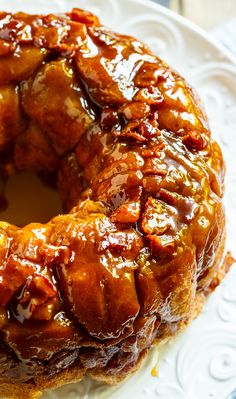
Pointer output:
25, 199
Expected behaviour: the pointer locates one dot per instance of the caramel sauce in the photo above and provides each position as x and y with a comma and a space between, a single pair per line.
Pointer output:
154, 372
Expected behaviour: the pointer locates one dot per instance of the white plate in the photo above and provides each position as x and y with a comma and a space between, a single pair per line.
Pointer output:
201, 362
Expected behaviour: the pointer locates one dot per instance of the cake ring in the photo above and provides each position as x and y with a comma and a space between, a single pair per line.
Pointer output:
126, 142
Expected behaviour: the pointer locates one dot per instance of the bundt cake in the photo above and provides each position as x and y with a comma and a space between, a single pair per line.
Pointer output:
127, 144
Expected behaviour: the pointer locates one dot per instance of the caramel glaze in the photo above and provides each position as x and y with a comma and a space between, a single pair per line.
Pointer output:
129, 145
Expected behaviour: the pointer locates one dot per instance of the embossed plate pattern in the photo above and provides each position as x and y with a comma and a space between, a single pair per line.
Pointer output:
201, 362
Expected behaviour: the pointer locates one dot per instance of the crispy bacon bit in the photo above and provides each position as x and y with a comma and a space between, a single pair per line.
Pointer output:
121, 243
3, 15
127, 213
138, 110
54, 33
12, 276
148, 129
195, 141
154, 150
163, 247
84, 17
38, 299
152, 184
150, 95
147, 75
158, 217
77, 34
155, 166
50, 37
53, 255
109, 118
142, 131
